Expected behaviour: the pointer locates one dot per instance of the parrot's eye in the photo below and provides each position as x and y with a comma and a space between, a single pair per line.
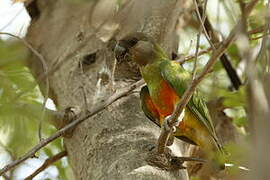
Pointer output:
132, 42
129, 43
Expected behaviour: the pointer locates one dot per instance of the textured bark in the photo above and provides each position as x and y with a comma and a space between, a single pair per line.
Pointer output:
73, 37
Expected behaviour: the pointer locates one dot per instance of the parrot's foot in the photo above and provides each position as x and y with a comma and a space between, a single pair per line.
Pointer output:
71, 114
169, 162
166, 126
179, 119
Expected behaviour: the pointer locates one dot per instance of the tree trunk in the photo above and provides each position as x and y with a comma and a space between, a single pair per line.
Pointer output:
73, 36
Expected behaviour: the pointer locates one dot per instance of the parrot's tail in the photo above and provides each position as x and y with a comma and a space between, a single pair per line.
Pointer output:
219, 146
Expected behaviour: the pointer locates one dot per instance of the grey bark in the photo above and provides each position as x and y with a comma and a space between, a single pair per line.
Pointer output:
73, 37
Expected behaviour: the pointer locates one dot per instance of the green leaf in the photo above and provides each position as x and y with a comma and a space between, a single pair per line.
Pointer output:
20, 106
240, 121
11, 52
239, 116
234, 99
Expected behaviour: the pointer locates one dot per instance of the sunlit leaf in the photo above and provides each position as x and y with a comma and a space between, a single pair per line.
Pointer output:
20, 105
234, 99
233, 54
241, 121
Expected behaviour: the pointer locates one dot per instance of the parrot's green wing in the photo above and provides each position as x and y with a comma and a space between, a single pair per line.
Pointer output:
178, 78
148, 107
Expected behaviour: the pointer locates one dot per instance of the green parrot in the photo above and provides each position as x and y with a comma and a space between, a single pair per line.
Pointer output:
166, 82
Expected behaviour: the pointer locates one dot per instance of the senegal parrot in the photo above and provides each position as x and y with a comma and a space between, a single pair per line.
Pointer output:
166, 82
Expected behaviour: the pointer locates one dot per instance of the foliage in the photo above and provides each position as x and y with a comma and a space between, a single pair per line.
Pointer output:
21, 104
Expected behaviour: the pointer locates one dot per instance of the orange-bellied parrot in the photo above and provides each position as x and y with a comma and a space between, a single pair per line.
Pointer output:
166, 82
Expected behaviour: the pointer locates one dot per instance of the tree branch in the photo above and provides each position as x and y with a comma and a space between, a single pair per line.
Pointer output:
46, 164
189, 57
199, 36
209, 31
97, 108
257, 30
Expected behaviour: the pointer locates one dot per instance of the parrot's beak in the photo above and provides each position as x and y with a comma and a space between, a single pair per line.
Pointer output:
120, 52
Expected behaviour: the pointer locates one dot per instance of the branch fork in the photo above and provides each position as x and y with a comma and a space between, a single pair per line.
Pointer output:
169, 162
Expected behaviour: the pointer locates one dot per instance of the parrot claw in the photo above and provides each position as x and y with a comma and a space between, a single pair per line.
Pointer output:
166, 122
179, 119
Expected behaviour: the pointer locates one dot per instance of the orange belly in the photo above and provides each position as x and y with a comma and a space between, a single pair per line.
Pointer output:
167, 100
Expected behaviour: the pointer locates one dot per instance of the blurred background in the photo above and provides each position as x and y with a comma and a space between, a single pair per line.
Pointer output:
19, 124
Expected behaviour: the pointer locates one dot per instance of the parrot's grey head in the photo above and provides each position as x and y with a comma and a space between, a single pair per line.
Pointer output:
136, 46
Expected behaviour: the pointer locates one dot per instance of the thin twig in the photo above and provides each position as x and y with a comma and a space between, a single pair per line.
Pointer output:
46, 164
199, 36
209, 30
196, 55
97, 108
165, 133
202, 18
45, 69
189, 57
12, 19
260, 37
257, 30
